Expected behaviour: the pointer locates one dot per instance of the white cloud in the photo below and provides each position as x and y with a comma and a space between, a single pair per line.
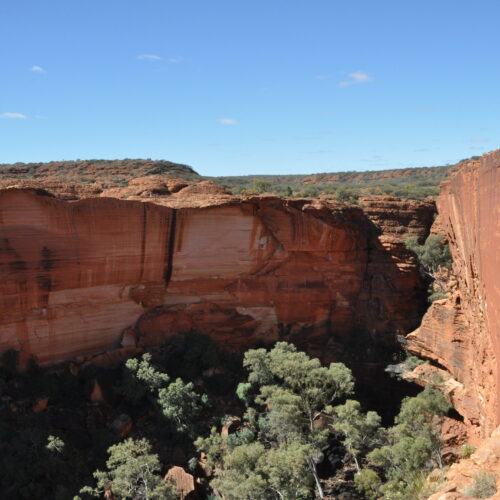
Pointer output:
176, 60
227, 121
38, 69
149, 57
354, 78
18, 116
479, 139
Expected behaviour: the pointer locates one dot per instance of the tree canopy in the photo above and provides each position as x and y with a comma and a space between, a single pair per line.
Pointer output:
132, 473
273, 455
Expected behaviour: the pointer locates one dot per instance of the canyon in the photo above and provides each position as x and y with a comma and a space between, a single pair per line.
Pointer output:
87, 272
93, 276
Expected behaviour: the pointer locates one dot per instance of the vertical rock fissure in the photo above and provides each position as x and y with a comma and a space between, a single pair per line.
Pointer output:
169, 256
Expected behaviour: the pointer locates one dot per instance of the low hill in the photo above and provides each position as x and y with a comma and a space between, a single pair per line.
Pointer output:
413, 183
112, 172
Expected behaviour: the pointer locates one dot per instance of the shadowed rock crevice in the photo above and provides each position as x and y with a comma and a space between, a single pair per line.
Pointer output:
169, 255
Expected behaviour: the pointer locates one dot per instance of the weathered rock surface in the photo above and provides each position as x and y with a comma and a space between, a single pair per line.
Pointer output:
183, 482
83, 277
462, 333
462, 474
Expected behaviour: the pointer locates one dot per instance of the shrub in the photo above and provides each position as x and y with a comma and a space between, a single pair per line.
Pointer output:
260, 186
484, 485
467, 450
434, 253
411, 362
368, 483
436, 296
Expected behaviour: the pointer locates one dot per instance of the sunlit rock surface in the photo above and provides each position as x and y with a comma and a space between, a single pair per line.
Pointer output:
462, 333
87, 276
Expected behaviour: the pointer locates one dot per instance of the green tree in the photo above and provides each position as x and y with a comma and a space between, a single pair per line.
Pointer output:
252, 472
289, 392
180, 404
239, 478
177, 400
432, 255
141, 378
361, 432
413, 445
316, 386
133, 472
147, 373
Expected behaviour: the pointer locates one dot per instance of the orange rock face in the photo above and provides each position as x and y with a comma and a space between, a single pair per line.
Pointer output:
88, 276
183, 482
460, 476
68, 270
462, 333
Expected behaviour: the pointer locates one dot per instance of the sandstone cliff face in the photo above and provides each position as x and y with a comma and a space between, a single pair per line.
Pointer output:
82, 277
462, 333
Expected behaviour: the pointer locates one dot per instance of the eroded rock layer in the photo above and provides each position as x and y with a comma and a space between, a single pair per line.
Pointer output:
462, 333
82, 277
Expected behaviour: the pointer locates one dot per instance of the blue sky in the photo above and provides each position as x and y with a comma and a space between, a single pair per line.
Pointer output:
234, 87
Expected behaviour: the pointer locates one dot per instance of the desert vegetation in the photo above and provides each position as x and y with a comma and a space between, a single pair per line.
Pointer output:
280, 426
413, 183
434, 260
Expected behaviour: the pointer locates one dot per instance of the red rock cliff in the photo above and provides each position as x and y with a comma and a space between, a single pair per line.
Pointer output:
462, 333
87, 276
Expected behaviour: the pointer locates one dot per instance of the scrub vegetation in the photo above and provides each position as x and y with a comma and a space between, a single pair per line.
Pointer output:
280, 426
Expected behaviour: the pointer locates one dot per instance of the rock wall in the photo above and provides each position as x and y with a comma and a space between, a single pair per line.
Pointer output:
83, 277
462, 333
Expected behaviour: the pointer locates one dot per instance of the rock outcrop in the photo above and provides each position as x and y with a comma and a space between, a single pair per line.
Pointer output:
462, 333
183, 482
88, 276
460, 476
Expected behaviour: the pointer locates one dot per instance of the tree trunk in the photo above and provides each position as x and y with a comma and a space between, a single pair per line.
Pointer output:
312, 466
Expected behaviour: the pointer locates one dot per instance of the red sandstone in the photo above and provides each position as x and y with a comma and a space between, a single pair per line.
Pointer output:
462, 333
88, 276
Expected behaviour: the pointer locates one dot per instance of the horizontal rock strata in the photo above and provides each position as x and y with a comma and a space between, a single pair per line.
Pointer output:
462, 333
87, 276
